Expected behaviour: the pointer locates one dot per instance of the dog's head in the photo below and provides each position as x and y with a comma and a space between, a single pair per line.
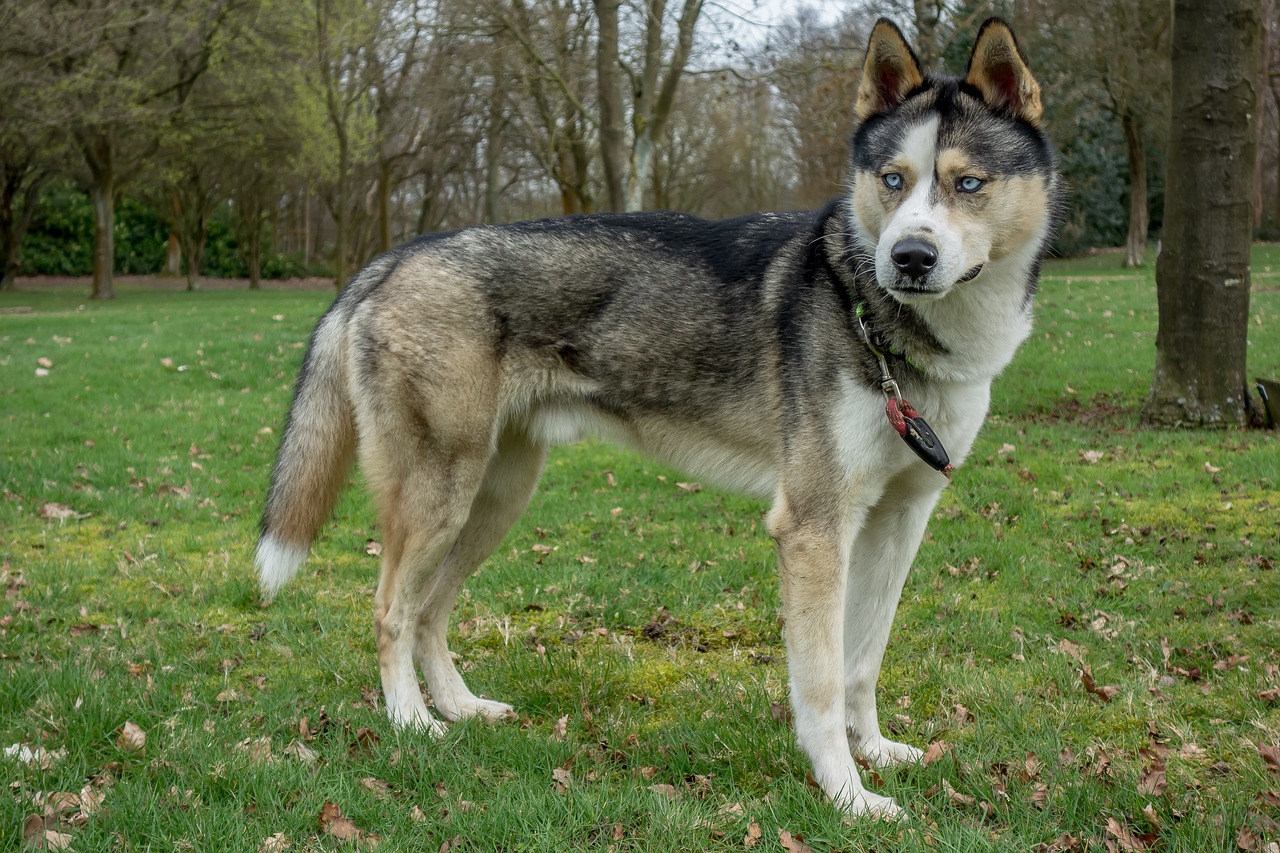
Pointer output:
949, 175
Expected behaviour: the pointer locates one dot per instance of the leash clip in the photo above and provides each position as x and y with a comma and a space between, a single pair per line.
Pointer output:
906, 422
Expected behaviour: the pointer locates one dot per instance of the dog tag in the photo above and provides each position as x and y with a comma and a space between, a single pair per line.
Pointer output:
918, 435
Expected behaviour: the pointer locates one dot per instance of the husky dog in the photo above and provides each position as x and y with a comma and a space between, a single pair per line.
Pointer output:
829, 361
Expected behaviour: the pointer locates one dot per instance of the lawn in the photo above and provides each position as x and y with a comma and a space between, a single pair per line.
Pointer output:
1087, 644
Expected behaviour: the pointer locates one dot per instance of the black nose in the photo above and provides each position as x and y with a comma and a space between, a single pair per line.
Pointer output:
914, 257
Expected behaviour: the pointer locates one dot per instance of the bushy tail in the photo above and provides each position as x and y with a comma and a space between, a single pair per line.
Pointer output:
314, 459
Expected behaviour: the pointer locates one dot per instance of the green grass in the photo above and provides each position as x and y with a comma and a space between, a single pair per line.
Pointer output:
653, 624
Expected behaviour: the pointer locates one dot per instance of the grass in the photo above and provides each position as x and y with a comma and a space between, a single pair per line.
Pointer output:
643, 651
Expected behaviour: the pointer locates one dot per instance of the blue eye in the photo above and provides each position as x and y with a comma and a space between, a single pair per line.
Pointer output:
969, 184
893, 181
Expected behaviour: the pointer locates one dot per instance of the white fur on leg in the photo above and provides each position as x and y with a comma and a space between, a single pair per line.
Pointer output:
454, 700
277, 563
405, 706
837, 773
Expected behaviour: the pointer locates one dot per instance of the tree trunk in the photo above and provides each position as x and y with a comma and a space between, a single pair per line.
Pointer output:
384, 205
612, 135
1135, 247
21, 192
172, 257
100, 158
1202, 274
653, 106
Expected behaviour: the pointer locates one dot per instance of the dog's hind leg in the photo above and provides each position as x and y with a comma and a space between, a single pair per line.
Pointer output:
508, 484
424, 507
880, 559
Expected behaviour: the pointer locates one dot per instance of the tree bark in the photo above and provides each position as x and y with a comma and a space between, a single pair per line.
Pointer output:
1135, 248
612, 135
1202, 273
18, 197
100, 158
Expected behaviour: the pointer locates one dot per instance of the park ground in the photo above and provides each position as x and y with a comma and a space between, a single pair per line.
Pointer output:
1087, 646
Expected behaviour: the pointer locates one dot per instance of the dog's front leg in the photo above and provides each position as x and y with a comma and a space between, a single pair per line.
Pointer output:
881, 556
812, 557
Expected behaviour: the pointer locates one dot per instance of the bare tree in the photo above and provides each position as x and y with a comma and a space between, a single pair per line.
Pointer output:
1202, 273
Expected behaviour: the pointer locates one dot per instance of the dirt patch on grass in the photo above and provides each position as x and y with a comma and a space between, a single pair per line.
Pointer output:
1102, 409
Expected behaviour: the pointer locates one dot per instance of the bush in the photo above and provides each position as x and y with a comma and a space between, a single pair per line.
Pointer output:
60, 240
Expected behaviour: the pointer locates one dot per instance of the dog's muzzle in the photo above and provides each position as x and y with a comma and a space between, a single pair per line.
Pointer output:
913, 257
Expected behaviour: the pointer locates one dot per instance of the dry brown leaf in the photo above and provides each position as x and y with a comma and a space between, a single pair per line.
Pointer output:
1270, 756
752, 838
334, 822
375, 786
131, 737
560, 780
274, 843
791, 843
299, 750
1246, 840
58, 512
1106, 694
1126, 840
934, 752
561, 728
1152, 782
451, 844
668, 791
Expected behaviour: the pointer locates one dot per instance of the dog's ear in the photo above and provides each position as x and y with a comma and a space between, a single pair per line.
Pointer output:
890, 72
999, 71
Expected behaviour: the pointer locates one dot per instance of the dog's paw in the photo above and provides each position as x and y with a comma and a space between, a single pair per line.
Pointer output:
418, 720
882, 752
865, 804
486, 709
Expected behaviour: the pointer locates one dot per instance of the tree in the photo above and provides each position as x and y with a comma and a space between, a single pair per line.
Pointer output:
30, 149
1202, 274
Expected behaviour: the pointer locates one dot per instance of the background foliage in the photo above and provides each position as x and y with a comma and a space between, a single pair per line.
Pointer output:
329, 129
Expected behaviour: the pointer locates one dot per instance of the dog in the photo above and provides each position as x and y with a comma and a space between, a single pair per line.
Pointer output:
837, 362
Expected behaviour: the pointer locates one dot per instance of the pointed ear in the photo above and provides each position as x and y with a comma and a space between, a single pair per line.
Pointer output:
999, 71
890, 72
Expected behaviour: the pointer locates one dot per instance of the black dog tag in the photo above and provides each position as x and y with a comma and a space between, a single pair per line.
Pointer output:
918, 435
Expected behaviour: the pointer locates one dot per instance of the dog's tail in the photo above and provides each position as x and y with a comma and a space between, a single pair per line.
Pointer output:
315, 456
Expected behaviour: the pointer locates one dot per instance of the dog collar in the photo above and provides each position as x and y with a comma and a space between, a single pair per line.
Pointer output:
906, 422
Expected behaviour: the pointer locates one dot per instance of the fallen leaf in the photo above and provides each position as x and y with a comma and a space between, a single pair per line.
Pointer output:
44, 362
692, 488
373, 548
1106, 694
131, 737
752, 838
1211, 469
934, 752
561, 778
1152, 782
1246, 840
1091, 456
39, 756
333, 822
299, 750
668, 791
1065, 843
58, 512
377, 787
1270, 756
1126, 840
274, 843
791, 843
561, 728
